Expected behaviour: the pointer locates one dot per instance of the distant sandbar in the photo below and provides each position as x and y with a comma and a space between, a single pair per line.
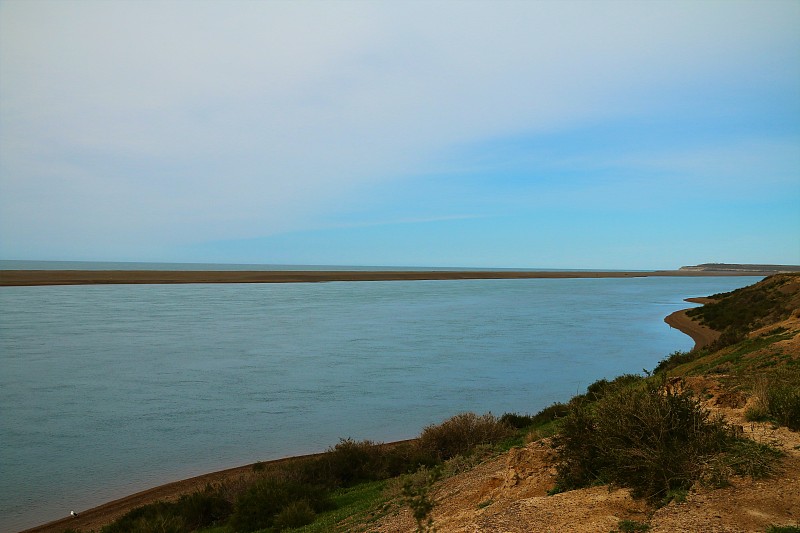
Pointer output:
104, 277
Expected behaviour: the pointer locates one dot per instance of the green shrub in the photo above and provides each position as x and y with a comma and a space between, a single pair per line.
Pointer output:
776, 396
632, 526
674, 360
461, 433
550, 413
202, 509
750, 458
783, 400
351, 462
602, 387
641, 437
190, 512
783, 529
516, 420
295, 514
259, 506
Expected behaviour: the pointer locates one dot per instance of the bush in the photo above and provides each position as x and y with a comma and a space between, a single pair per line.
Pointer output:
295, 514
602, 387
776, 396
674, 359
351, 462
260, 505
190, 512
783, 529
516, 420
461, 433
650, 440
550, 413
632, 526
745, 457
783, 399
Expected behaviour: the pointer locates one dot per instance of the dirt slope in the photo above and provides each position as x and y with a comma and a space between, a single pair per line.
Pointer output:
509, 494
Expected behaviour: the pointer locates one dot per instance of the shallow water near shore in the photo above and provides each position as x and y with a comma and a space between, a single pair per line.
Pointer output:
107, 390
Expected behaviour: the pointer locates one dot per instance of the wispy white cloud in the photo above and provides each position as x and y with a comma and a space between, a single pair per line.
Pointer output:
164, 122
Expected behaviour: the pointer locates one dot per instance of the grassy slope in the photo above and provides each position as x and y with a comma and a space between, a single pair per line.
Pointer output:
760, 326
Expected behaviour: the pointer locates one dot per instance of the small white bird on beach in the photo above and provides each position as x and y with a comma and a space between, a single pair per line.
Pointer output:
73, 514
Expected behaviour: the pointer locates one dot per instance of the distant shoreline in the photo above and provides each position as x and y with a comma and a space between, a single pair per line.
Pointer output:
18, 278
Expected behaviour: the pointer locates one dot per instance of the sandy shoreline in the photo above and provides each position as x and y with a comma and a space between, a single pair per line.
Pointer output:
97, 517
700, 334
10, 278
103, 514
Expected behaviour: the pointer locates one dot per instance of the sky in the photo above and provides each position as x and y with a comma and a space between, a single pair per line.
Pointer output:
502, 134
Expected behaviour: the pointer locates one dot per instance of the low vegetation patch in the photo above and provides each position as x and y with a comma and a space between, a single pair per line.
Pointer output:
653, 440
631, 526
674, 360
279, 503
783, 529
307, 493
776, 397
462, 433
189, 513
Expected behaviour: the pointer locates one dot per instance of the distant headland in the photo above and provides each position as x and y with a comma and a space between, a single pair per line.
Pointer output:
733, 267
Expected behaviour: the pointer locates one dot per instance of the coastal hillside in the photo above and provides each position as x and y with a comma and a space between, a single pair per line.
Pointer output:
709, 440
751, 378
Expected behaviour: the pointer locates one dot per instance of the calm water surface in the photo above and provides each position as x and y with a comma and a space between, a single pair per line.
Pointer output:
107, 390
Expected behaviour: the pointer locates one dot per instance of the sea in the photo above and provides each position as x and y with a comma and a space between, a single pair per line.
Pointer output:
109, 390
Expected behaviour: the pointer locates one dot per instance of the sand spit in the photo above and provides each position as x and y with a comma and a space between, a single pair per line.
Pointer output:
10, 278
700, 334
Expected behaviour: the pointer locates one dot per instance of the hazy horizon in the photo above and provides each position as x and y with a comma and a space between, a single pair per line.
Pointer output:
582, 135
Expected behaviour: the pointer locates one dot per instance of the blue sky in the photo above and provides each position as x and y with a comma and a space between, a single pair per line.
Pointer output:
480, 134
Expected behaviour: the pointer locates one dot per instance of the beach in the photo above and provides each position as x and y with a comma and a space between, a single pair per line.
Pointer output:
700, 334
97, 517
10, 278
